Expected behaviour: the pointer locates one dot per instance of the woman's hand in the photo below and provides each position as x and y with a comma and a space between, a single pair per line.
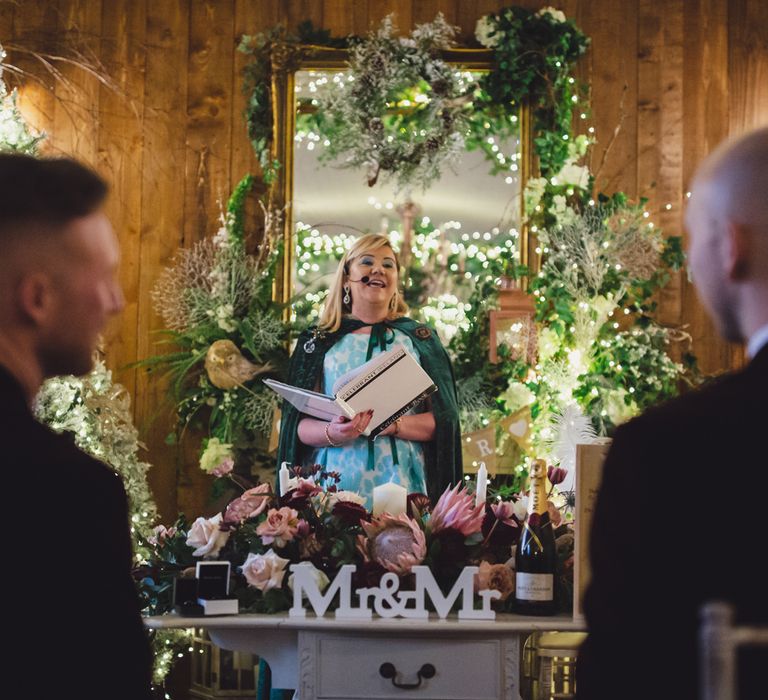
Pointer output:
342, 429
417, 427
392, 428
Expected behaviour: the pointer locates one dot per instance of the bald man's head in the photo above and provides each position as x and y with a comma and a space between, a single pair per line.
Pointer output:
727, 219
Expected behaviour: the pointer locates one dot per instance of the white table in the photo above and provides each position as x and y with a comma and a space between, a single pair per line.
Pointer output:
337, 659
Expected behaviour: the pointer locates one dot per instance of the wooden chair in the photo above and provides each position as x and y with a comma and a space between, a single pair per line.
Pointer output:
719, 640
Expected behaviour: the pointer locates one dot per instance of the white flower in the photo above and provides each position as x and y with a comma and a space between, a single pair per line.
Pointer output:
221, 238
549, 343
534, 190
572, 174
555, 14
206, 535
602, 306
485, 32
224, 317
264, 571
517, 396
214, 454
321, 580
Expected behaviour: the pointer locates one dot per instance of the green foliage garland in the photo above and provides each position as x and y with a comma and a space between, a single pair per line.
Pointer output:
534, 54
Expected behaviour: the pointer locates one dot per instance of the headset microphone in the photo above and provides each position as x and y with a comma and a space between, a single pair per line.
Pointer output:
365, 279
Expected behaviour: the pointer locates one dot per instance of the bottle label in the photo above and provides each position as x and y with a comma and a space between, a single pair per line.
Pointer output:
534, 586
537, 498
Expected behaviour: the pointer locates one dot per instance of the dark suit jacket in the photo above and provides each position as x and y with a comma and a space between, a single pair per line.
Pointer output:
680, 519
70, 610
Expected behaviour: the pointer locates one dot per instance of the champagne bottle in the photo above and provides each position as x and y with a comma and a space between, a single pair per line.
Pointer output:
536, 557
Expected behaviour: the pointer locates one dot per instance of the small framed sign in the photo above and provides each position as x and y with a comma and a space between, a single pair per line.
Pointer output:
589, 475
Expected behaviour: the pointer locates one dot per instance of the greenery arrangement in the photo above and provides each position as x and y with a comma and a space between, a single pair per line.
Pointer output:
15, 134
404, 113
216, 302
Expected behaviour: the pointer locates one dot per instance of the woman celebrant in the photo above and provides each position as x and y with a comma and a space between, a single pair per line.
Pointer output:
364, 315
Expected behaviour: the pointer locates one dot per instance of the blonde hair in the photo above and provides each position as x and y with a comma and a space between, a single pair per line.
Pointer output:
334, 309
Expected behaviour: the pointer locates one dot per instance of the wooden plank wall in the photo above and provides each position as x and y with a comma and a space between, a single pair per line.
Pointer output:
669, 80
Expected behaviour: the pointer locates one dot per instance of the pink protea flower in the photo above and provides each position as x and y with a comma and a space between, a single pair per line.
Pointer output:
456, 509
395, 542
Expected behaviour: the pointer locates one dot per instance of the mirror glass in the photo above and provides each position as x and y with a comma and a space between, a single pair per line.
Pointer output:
446, 235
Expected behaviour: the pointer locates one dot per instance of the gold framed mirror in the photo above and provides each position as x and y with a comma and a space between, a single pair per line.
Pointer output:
470, 205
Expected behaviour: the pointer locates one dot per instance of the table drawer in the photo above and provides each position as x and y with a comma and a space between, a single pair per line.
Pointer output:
347, 667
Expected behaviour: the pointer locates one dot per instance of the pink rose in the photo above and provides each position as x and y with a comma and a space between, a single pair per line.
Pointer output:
250, 505
264, 571
208, 538
495, 577
224, 467
280, 526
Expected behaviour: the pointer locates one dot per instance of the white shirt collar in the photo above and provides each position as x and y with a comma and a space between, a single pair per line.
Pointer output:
758, 341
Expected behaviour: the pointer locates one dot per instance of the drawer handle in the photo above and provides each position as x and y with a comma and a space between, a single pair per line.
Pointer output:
388, 670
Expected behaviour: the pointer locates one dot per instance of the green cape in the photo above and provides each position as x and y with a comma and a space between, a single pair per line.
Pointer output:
442, 454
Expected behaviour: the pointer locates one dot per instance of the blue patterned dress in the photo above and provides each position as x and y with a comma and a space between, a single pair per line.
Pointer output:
351, 459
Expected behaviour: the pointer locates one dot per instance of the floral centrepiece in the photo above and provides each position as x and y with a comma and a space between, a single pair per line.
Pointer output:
318, 527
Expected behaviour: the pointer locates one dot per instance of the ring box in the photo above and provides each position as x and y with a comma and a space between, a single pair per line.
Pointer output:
213, 588
185, 597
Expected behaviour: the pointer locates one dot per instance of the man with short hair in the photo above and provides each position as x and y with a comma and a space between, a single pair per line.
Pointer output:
679, 518
72, 614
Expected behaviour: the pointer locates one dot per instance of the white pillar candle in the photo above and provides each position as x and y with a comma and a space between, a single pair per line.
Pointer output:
389, 498
284, 478
481, 485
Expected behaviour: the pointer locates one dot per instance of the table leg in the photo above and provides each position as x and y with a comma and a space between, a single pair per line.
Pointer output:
279, 648
512, 666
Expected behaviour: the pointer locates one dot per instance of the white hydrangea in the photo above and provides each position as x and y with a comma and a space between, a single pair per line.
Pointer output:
517, 396
549, 343
485, 32
572, 174
534, 191
554, 13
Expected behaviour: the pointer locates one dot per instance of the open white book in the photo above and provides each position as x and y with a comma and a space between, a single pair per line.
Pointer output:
390, 384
